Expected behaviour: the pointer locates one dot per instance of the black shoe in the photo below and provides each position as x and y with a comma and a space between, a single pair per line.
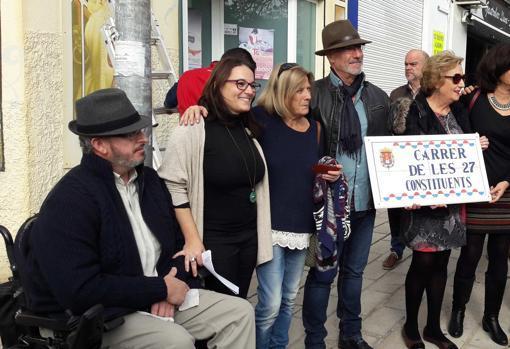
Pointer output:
412, 343
490, 324
456, 324
442, 343
353, 344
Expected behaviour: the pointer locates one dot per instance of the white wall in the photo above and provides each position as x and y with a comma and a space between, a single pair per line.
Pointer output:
444, 16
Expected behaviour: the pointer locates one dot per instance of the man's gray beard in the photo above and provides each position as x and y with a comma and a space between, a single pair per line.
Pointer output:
116, 161
356, 72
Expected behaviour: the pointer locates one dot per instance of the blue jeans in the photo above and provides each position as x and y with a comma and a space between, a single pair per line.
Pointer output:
316, 296
278, 286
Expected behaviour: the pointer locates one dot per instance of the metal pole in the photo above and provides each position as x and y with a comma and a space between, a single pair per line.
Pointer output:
133, 57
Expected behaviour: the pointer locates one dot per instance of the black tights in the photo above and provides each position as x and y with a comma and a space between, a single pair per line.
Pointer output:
428, 272
495, 277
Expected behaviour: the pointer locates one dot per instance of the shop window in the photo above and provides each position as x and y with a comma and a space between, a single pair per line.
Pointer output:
340, 10
305, 45
261, 29
199, 34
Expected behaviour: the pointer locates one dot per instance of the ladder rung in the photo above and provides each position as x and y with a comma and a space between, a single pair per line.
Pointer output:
165, 110
160, 74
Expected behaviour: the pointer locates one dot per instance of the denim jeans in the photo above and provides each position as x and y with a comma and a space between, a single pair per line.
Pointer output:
316, 296
278, 285
394, 216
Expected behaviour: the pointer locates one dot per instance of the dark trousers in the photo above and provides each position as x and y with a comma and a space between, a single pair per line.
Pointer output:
234, 257
353, 260
394, 217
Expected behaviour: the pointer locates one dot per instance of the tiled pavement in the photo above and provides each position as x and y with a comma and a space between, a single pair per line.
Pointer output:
383, 306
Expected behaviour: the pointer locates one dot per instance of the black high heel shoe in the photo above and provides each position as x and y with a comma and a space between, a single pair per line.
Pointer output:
412, 343
443, 343
456, 324
490, 324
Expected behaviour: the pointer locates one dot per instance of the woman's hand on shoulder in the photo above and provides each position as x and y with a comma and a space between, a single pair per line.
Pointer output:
498, 191
469, 89
193, 115
333, 176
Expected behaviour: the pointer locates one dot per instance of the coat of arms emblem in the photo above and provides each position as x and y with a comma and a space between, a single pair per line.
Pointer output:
386, 156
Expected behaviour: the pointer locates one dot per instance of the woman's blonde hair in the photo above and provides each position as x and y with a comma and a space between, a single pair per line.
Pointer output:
281, 87
434, 69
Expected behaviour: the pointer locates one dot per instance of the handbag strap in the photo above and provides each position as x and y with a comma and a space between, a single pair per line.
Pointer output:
318, 132
473, 100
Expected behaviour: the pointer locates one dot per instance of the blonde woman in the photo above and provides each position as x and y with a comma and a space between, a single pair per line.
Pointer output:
290, 138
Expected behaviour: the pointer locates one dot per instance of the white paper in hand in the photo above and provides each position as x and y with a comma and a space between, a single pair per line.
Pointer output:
191, 300
208, 264
171, 319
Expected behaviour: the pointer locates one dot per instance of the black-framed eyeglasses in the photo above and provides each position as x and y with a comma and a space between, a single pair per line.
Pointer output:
286, 66
242, 84
131, 135
456, 78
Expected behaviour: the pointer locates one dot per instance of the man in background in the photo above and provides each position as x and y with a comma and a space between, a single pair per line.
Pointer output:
414, 61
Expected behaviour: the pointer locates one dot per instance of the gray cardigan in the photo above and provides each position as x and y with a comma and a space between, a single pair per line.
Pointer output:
182, 170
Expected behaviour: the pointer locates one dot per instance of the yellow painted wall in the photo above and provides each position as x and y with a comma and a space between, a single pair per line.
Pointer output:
32, 106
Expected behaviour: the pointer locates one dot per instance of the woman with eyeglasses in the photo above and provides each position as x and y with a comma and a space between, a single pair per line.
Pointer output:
489, 116
217, 176
432, 231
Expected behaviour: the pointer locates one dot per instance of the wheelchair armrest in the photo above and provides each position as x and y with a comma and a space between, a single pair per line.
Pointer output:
25, 318
89, 332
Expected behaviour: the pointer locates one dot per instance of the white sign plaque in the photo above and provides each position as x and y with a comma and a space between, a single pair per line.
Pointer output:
426, 170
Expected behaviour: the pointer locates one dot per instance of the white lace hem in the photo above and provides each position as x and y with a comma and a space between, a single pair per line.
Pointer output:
293, 241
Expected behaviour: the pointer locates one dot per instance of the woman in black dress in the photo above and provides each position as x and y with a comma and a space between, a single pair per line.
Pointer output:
490, 117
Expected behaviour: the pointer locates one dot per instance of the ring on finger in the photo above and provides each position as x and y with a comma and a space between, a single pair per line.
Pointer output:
192, 259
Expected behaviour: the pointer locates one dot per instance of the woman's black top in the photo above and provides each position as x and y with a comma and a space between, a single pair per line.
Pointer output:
227, 206
487, 122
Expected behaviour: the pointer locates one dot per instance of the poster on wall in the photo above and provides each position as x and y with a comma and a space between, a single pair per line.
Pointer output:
194, 39
259, 42
438, 44
91, 68
426, 170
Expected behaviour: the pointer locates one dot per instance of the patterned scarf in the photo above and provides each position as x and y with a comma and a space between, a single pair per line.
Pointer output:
331, 219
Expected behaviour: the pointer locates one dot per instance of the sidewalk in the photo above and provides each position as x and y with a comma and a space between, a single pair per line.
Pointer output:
383, 304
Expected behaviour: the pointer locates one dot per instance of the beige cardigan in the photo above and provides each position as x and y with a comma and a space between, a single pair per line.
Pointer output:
182, 170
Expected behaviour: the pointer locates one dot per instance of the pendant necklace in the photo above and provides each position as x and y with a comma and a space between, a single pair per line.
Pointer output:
499, 106
253, 195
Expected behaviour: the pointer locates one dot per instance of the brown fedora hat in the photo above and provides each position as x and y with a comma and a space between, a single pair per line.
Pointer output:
106, 112
339, 34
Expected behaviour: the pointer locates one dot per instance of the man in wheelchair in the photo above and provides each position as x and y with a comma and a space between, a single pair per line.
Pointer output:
106, 235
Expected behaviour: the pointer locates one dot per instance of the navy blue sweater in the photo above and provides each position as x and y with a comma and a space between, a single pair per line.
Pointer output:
290, 155
82, 248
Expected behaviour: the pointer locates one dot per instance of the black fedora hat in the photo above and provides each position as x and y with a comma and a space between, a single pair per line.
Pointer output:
106, 112
339, 34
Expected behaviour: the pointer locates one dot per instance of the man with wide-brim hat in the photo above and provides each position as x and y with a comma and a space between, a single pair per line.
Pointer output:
350, 108
106, 234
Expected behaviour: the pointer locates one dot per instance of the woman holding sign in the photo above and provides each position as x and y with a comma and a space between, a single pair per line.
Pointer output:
490, 116
432, 231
